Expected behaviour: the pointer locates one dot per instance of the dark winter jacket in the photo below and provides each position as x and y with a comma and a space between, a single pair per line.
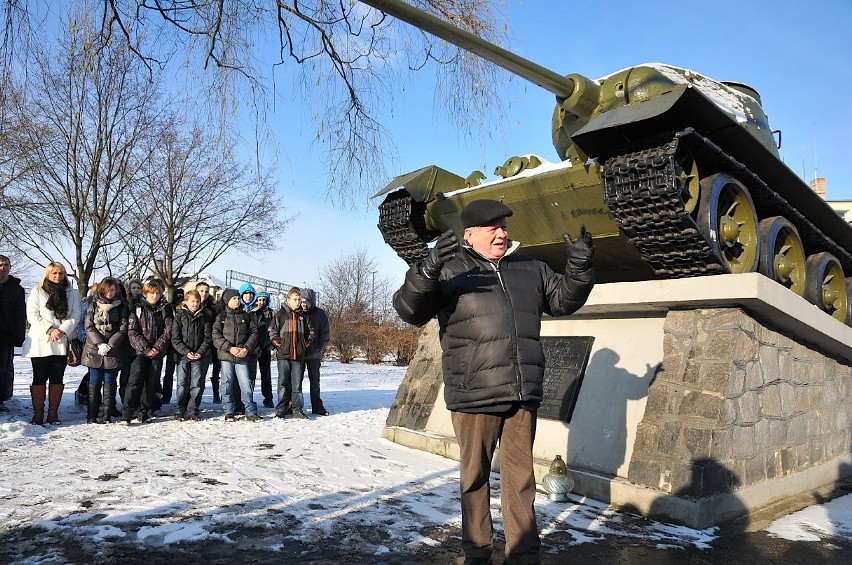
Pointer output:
318, 327
113, 333
489, 315
234, 328
290, 327
263, 318
13, 312
150, 327
192, 332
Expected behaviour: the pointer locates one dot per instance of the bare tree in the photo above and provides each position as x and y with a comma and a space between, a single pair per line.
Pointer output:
79, 128
349, 294
196, 202
347, 59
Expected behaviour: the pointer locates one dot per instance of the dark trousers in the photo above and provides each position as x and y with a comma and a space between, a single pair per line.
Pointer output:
264, 364
124, 376
214, 376
313, 367
478, 435
144, 378
50, 368
7, 370
169, 376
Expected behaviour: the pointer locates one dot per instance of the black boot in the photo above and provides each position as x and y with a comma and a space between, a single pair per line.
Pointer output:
109, 403
94, 404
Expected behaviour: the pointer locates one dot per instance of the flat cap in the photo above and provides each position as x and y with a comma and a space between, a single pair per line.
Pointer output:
483, 213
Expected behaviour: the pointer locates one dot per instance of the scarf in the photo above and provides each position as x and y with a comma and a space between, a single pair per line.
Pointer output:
57, 300
101, 315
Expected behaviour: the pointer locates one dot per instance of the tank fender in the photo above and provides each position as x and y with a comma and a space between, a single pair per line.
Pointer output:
424, 184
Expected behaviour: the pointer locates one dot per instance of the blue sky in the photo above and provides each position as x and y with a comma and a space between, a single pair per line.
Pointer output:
794, 53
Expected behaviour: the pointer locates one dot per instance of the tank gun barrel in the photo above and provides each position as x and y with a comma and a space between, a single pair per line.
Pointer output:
545, 78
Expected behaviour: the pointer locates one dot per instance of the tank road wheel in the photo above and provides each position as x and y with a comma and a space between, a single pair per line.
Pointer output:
727, 219
849, 301
686, 175
782, 255
826, 286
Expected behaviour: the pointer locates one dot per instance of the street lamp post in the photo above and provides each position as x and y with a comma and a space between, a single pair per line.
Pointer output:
373, 296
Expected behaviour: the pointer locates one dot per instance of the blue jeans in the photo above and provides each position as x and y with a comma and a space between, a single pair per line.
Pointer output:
289, 386
190, 383
98, 375
239, 370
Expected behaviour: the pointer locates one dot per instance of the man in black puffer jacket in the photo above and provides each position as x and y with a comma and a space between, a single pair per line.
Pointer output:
489, 300
13, 327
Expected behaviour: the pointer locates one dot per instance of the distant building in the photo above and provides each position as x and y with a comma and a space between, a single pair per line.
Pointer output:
843, 208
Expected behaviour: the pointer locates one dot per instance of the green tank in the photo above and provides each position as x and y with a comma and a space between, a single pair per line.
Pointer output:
674, 173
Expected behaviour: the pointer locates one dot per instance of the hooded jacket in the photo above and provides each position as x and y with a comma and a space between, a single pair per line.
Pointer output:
118, 319
248, 287
192, 332
150, 327
13, 312
319, 332
489, 315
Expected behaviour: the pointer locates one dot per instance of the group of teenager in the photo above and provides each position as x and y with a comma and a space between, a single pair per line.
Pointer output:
129, 330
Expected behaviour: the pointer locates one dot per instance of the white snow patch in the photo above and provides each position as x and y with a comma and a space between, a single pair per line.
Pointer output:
167, 482
830, 520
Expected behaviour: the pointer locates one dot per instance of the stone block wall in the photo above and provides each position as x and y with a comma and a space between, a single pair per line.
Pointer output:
735, 403
416, 396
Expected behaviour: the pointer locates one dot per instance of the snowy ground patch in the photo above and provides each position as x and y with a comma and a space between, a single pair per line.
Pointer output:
165, 482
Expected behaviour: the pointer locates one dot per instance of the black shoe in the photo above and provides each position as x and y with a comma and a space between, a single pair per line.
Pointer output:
254, 418
267, 403
194, 417
230, 418
299, 415
322, 412
281, 415
477, 561
178, 416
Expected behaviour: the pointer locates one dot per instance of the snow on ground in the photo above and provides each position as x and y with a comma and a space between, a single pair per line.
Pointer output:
165, 481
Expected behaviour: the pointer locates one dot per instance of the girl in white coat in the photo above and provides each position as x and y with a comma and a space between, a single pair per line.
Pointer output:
53, 309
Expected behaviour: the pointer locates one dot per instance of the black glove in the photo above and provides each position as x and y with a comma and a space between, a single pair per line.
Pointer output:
579, 251
444, 250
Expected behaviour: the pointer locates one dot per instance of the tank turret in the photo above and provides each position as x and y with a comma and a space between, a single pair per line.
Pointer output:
674, 173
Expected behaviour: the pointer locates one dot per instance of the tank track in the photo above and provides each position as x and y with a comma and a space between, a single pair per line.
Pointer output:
397, 215
644, 195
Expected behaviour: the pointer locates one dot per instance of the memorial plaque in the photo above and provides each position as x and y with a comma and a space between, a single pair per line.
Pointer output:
565, 364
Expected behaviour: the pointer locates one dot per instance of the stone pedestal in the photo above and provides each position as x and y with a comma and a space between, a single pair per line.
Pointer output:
703, 399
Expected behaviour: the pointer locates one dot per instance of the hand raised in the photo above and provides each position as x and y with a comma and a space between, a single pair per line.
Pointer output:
444, 250
579, 252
